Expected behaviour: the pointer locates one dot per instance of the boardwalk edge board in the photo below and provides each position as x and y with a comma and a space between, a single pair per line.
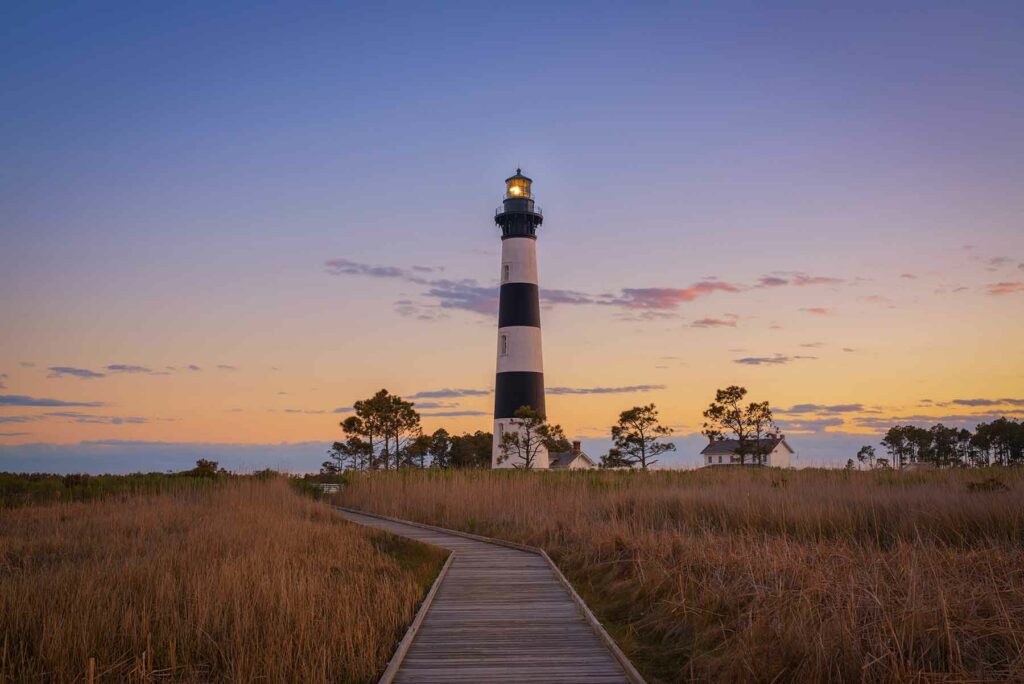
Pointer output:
630, 671
391, 671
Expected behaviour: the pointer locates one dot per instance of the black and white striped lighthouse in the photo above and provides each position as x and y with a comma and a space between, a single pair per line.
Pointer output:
520, 377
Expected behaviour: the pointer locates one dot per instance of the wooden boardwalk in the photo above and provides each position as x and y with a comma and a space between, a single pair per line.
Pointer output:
500, 615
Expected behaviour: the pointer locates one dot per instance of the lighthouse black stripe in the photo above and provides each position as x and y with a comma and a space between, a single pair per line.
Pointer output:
517, 389
519, 305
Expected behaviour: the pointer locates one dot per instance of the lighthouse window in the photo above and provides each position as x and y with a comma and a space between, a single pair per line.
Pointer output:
506, 271
504, 345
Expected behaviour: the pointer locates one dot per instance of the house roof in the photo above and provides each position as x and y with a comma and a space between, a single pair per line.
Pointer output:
562, 459
729, 446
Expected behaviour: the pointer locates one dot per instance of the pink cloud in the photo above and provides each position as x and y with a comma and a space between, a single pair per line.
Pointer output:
817, 311
669, 297
1006, 287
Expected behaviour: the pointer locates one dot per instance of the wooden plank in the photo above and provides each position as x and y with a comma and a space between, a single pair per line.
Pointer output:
502, 612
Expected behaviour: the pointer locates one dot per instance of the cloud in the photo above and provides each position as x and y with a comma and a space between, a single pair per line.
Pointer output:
800, 280
194, 367
726, 321
824, 408
817, 311
875, 299
465, 295
450, 393
809, 425
849, 350
962, 420
127, 368
27, 364
224, 366
344, 409
84, 373
78, 417
22, 400
908, 276
14, 434
435, 405
762, 360
348, 267
3, 377
628, 389
984, 402
1005, 288
453, 414
796, 278
304, 411
668, 297
19, 419
813, 345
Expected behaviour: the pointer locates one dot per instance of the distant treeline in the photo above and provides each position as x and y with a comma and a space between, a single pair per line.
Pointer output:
19, 489
999, 443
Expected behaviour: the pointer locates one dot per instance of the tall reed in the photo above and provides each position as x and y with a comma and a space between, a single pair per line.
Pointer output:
759, 575
244, 582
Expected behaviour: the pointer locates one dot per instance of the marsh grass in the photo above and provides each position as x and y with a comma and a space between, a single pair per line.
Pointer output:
248, 581
760, 575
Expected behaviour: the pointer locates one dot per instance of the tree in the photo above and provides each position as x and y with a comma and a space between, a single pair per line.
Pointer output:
471, 450
205, 468
440, 449
867, 454
614, 459
749, 425
529, 436
636, 438
417, 451
378, 435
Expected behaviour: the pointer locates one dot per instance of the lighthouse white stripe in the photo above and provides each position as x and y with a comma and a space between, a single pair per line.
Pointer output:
519, 260
519, 349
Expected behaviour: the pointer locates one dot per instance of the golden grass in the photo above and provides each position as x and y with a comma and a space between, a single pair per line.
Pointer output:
244, 582
755, 575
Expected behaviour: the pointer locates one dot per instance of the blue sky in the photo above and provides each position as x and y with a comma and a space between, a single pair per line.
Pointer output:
180, 178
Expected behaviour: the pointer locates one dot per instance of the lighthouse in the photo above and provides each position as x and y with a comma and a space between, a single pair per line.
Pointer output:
520, 370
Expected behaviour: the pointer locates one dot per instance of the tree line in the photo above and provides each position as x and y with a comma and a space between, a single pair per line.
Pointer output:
999, 443
384, 433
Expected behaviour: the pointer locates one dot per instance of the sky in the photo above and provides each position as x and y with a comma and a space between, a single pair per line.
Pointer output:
222, 224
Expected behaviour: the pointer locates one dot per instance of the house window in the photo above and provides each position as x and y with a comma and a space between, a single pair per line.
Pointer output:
506, 272
504, 345
719, 459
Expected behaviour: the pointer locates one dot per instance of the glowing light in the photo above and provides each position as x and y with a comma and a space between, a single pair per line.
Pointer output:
515, 190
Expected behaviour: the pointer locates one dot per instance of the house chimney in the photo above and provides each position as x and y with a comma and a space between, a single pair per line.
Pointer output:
576, 447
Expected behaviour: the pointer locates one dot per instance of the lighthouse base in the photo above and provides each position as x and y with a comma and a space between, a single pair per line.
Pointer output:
504, 426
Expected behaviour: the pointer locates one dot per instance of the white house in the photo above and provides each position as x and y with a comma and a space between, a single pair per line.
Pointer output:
723, 452
574, 459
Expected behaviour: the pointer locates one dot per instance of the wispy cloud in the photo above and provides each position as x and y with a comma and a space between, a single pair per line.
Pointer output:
454, 414
128, 368
795, 278
1005, 288
984, 402
824, 408
809, 425
69, 371
344, 409
436, 405
908, 276
668, 297
627, 389
726, 321
14, 434
304, 411
449, 393
22, 400
227, 367
194, 367
78, 417
817, 310
774, 360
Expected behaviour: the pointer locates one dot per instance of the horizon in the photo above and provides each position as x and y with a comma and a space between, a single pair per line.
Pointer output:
223, 226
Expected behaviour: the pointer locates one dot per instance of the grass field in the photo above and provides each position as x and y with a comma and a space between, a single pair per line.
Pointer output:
743, 575
244, 580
